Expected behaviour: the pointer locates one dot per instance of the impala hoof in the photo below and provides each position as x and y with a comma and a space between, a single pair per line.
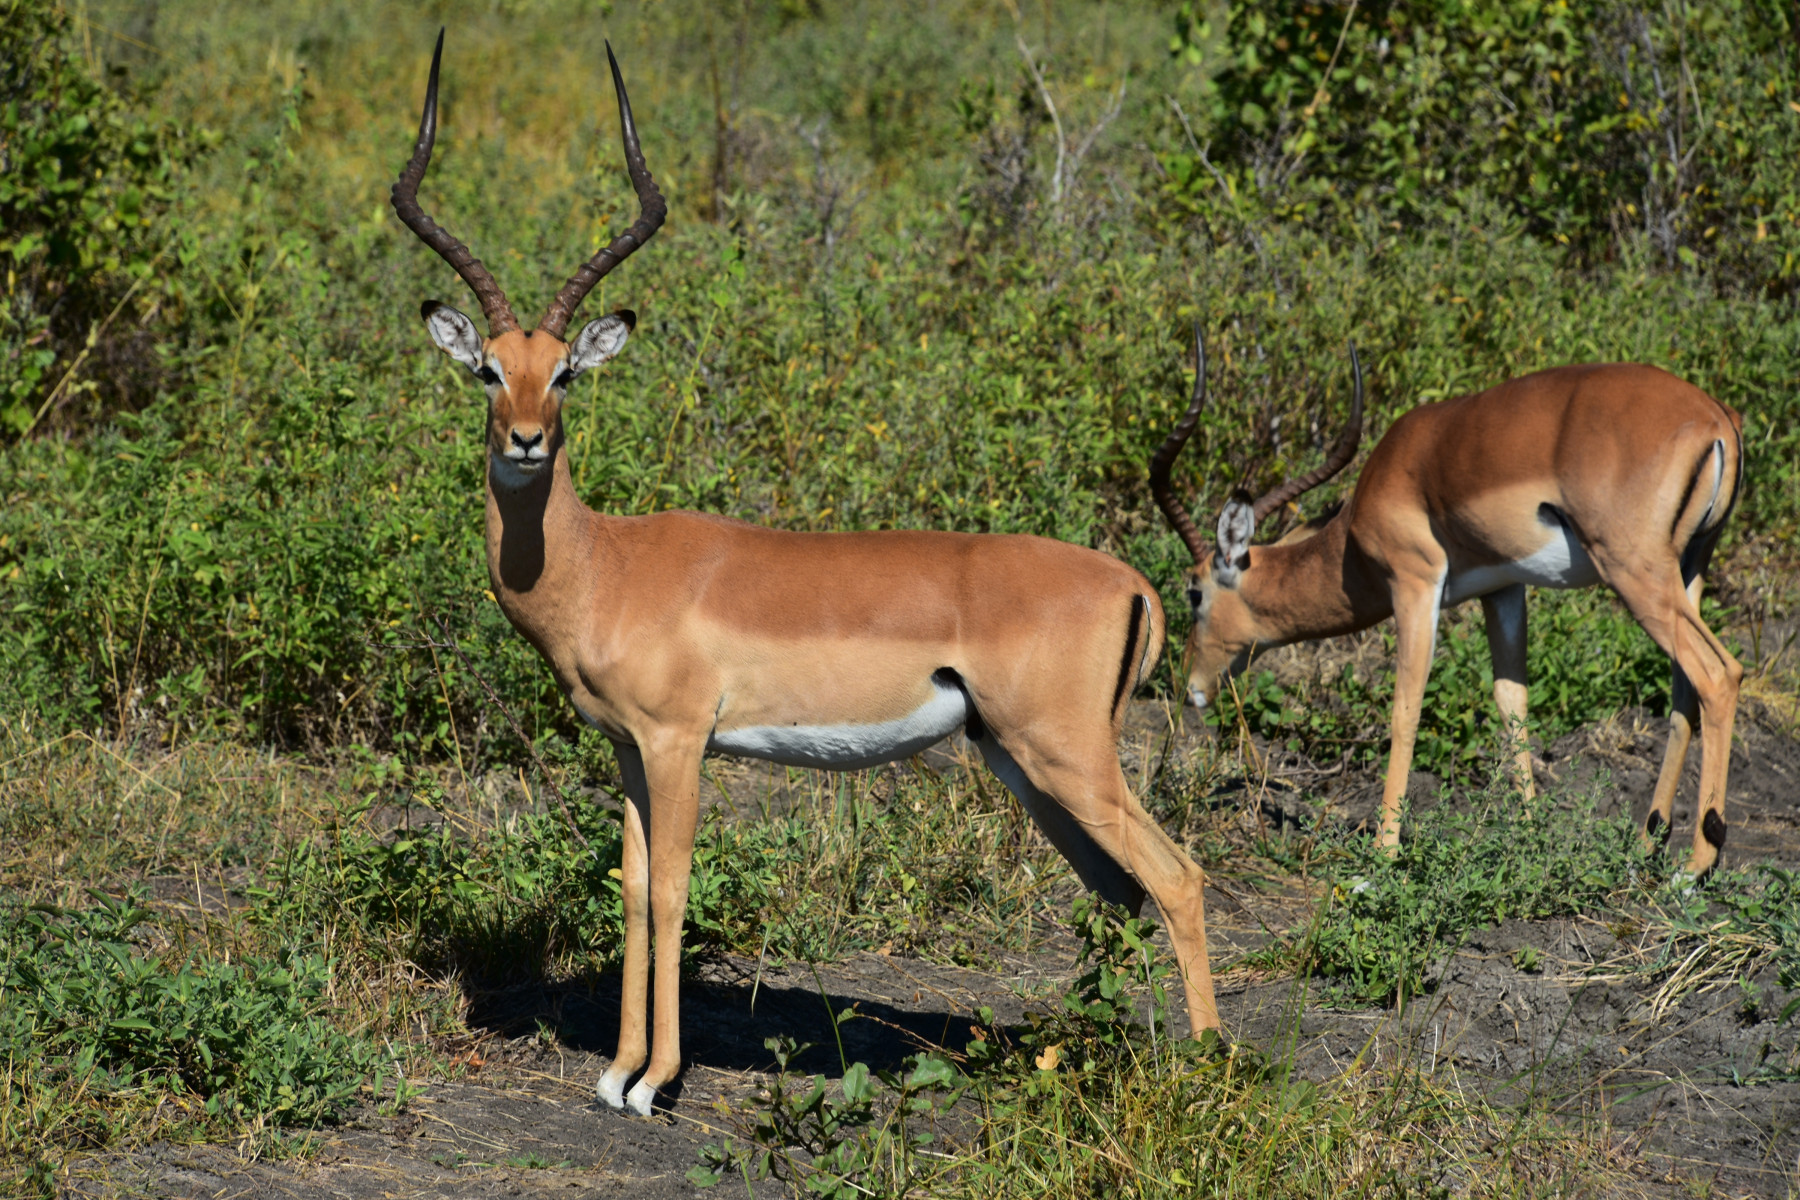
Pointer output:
642, 1099
612, 1089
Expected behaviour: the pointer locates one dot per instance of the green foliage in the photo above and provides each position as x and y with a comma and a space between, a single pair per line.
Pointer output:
1588, 123
839, 1146
519, 895
1390, 921
1091, 1099
87, 177
93, 1025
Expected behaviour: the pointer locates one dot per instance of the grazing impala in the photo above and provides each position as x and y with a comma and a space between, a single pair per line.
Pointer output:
680, 632
1614, 474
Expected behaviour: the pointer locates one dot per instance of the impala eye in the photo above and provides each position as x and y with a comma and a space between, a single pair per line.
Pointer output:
564, 378
1195, 595
488, 375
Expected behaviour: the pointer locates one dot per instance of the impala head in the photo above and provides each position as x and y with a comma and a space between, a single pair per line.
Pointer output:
526, 372
1226, 628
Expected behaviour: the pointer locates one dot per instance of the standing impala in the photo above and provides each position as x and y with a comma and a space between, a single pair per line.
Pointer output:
1616, 474
680, 632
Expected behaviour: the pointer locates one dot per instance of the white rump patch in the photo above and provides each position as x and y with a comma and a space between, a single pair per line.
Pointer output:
1562, 562
850, 747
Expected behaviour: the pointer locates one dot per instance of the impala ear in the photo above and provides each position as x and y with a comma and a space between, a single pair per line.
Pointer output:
454, 333
600, 340
1237, 525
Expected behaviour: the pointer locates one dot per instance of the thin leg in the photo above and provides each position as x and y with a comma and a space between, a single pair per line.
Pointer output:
1097, 815
634, 892
1415, 619
1504, 612
1663, 603
1098, 871
673, 774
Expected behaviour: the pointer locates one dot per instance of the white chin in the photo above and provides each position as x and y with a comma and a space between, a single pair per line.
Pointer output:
1198, 696
511, 473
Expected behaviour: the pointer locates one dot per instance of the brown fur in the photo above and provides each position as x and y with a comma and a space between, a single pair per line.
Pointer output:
662, 629
1461, 484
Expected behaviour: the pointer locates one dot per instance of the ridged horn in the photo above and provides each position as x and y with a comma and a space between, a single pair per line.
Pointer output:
499, 313
652, 209
1342, 451
1164, 458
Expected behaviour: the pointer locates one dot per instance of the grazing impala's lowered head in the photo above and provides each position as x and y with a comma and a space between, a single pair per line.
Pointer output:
1226, 629
526, 372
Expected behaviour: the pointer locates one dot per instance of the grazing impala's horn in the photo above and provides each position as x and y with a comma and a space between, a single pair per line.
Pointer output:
499, 313
651, 211
1164, 458
1342, 451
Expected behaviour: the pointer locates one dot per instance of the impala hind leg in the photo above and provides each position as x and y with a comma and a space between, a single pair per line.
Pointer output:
1082, 802
1098, 871
1684, 716
1504, 614
1415, 621
1664, 603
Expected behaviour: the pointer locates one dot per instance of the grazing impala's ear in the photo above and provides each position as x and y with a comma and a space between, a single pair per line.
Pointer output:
1237, 524
454, 333
600, 340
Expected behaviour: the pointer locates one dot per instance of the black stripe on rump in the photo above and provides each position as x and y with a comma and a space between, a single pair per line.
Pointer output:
1128, 665
1687, 494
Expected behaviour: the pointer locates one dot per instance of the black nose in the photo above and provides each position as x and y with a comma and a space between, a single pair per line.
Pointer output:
527, 443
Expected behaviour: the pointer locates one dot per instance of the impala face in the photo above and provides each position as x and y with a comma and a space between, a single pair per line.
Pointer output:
526, 376
1224, 632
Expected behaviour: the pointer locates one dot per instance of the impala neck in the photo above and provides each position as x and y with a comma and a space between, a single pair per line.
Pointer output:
1322, 586
540, 543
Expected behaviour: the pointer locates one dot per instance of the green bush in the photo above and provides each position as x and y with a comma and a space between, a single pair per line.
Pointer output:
87, 178
92, 1024
1593, 124
1390, 921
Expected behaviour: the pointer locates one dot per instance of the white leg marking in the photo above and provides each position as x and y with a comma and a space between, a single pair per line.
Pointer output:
612, 1088
642, 1097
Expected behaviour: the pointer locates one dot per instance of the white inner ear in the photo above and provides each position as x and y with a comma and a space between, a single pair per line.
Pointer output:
1237, 525
456, 336
597, 342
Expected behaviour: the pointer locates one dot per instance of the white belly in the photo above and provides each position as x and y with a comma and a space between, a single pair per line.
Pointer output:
850, 747
1561, 562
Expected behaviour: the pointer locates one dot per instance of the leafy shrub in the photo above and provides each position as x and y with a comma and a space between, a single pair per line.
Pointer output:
87, 177
524, 894
1390, 921
1593, 124
91, 1023
1091, 1098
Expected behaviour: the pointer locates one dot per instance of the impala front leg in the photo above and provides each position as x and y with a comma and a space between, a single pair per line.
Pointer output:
1416, 619
634, 893
672, 772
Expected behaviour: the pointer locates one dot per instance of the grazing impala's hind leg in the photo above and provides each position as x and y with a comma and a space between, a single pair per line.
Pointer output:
1666, 605
1073, 787
1684, 712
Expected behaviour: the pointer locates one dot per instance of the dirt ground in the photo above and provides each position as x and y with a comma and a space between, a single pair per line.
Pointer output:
1672, 1085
